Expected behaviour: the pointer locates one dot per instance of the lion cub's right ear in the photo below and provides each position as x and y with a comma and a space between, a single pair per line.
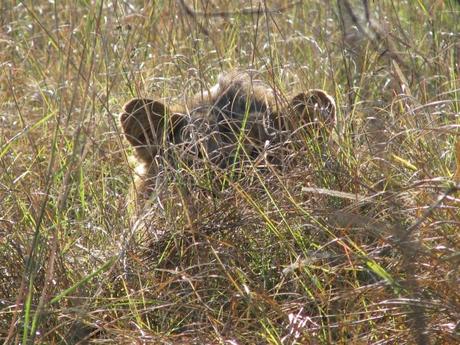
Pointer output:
145, 124
315, 108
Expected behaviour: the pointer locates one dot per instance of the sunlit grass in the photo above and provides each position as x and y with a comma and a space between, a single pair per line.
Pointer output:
357, 243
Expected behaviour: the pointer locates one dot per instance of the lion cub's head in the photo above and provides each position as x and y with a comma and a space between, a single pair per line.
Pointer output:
238, 120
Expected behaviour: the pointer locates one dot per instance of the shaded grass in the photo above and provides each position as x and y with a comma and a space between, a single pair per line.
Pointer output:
265, 260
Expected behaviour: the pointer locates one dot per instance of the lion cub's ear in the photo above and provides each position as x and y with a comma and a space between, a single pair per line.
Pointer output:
145, 124
314, 109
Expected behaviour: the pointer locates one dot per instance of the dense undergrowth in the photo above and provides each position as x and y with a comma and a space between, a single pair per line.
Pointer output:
356, 243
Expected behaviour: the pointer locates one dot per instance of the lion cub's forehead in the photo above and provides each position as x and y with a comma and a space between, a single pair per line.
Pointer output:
237, 90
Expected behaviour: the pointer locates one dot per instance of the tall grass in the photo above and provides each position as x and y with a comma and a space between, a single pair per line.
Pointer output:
357, 243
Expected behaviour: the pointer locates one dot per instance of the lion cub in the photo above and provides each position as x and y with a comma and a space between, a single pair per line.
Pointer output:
240, 119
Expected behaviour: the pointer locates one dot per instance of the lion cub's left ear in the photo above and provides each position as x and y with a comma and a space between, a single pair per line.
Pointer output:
315, 110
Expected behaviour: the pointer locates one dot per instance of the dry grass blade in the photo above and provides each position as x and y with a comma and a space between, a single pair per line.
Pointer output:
339, 227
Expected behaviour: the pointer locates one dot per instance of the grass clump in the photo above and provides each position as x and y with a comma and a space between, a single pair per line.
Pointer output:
357, 243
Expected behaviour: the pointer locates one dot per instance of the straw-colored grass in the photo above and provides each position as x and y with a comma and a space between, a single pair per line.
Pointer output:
358, 243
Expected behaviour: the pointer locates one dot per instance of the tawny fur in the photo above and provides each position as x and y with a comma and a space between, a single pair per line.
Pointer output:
238, 116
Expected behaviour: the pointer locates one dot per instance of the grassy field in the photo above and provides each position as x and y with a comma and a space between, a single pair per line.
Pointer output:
358, 243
